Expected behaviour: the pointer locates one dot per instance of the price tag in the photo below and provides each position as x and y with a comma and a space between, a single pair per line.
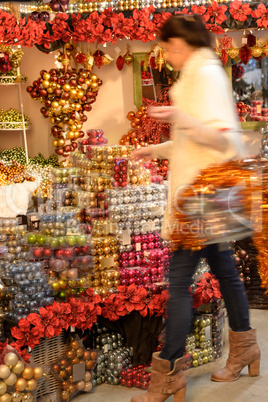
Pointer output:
148, 227
107, 262
258, 109
208, 333
105, 348
138, 246
79, 371
126, 237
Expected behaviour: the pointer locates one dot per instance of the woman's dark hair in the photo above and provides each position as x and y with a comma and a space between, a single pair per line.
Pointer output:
187, 27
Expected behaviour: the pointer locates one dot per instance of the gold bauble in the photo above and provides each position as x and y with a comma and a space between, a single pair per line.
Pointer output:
11, 379
128, 58
45, 84
27, 397
55, 105
32, 384
21, 384
11, 359
233, 52
46, 76
4, 371
5, 398
3, 387
16, 397
256, 51
27, 373
38, 372
93, 77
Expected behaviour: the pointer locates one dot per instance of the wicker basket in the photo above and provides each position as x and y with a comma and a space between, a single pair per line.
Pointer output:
46, 354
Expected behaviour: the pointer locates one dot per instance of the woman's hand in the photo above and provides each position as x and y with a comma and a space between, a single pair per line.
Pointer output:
163, 113
144, 154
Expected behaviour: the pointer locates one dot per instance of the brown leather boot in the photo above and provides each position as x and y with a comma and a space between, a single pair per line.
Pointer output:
164, 382
244, 351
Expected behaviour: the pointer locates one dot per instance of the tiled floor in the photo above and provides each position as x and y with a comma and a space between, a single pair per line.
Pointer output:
199, 387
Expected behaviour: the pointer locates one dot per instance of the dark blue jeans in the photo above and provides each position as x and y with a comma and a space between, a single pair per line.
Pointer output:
182, 267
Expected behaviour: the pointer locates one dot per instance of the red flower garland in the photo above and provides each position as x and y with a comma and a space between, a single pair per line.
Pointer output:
108, 26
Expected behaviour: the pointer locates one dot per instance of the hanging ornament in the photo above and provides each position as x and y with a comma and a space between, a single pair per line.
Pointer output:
233, 52
224, 57
128, 58
152, 62
245, 54
251, 40
98, 58
256, 51
65, 62
160, 61
120, 63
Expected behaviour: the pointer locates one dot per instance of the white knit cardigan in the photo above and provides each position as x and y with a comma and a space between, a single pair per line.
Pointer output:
204, 93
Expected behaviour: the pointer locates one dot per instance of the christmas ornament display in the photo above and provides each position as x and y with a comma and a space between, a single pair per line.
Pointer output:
144, 129
12, 119
18, 381
74, 371
136, 376
10, 58
12, 239
27, 286
13, 174
114, 356
66, 95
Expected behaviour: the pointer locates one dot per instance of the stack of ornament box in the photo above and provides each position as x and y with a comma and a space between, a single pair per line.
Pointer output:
60, 240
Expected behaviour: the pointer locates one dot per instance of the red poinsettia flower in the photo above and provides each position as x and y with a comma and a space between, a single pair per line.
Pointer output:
239, 11
158, 303
62, 311
217, 29
93, 298
3, 346
160, 19
216, 13
122, 27
47, 321
198, 9
206, 290
60, 27
134, 298
261, 12
78, 310
109, 308
89, 316
143, 25
25, 335
108, 14
184, 11
80, 28
22, 352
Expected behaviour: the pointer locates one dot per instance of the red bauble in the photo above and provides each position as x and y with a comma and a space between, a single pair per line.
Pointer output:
120, 63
